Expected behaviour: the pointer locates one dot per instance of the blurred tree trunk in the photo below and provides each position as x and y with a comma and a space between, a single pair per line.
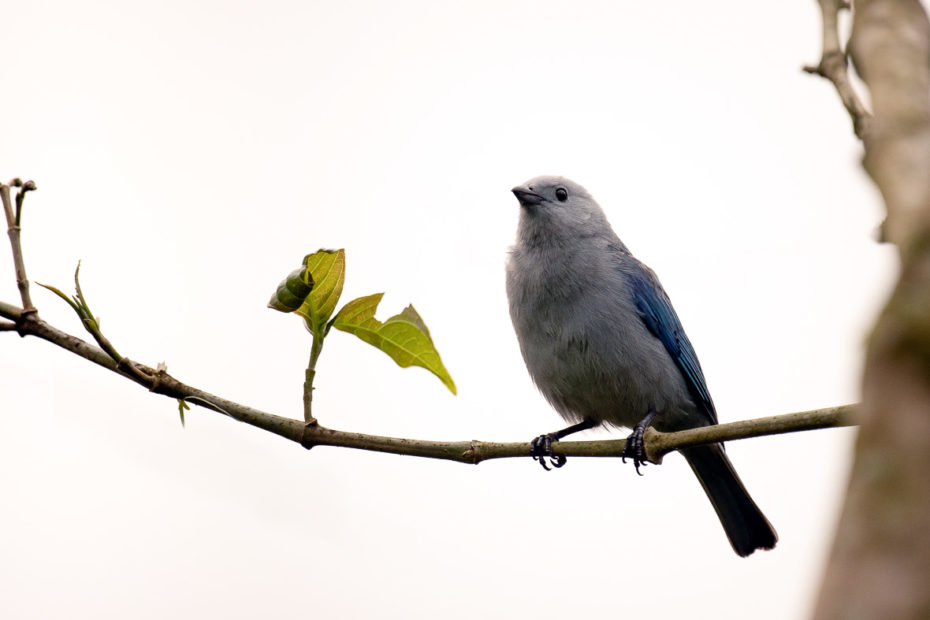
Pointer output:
880, 563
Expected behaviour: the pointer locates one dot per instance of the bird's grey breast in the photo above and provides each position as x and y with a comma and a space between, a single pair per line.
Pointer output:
583, 340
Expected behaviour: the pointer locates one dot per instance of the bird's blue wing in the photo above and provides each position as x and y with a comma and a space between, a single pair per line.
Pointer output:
657, 313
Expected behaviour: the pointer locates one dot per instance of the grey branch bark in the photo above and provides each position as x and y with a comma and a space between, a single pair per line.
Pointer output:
880, 562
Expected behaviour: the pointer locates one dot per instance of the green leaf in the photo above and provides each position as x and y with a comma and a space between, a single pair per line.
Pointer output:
404, 336
313, 290
62, 295
329, 273
292, 292
182, 407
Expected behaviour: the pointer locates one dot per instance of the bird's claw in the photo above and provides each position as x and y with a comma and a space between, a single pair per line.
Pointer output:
541, 450
635, 449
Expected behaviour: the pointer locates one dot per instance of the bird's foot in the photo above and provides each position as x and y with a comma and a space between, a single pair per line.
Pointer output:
635, 447
541, 450
541, 447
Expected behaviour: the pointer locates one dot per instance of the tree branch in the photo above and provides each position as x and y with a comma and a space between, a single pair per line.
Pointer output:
890, 46
832, 66
880, 561
313, 434
310, 433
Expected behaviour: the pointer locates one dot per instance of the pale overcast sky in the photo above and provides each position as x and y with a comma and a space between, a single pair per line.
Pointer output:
191, 153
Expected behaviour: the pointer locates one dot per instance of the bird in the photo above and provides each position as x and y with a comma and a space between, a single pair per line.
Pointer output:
604, 345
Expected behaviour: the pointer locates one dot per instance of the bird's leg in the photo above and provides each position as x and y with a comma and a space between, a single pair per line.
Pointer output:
635, 448
541, 447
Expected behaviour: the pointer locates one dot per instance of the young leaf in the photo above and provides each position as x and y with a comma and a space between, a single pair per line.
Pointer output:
182, 407
328, 268
313, 290
292, 291
403, 336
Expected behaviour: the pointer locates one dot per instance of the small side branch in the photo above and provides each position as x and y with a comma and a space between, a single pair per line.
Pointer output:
13, 218
833, 66
80, 306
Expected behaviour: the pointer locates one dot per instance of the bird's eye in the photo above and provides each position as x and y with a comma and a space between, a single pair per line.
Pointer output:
562, 194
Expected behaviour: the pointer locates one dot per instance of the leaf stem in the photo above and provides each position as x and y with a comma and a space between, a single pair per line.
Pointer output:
315, 349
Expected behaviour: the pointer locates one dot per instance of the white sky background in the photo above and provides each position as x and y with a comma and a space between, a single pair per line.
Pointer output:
191, 153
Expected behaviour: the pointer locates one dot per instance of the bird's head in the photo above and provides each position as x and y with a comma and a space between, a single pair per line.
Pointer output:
556, 207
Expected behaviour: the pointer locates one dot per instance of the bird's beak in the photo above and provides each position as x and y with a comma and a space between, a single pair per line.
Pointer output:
526, 196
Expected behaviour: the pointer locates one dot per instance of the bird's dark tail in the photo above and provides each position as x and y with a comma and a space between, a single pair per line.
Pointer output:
745, 525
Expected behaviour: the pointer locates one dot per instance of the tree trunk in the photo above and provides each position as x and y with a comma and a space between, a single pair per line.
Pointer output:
880, 562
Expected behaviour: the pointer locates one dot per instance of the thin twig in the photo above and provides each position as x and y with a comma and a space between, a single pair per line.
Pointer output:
13, 230
833, 66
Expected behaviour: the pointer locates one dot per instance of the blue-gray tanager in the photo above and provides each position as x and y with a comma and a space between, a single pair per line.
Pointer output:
604, 346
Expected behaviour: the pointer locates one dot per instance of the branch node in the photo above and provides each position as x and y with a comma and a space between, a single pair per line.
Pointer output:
309, 431
473, 454
156, 378
26, 316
